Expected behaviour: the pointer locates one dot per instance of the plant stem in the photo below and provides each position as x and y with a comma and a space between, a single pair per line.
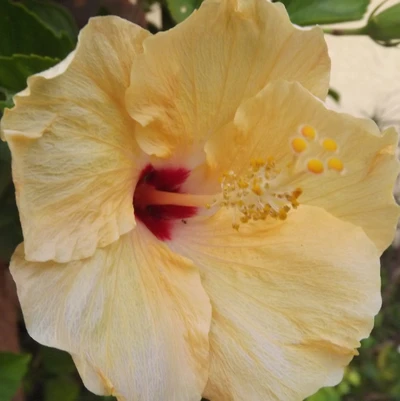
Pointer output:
346, 32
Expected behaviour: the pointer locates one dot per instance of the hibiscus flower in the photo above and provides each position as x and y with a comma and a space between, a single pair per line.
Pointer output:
196, 222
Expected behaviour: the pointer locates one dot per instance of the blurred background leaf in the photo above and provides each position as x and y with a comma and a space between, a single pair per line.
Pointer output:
5, 100
54, 17
61, 389
181, 9
385, 26
22, 31
311, 12
326, 394
15, 69
12, 369
56, 362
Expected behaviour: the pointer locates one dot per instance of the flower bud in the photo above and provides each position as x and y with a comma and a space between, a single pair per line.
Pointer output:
385, 26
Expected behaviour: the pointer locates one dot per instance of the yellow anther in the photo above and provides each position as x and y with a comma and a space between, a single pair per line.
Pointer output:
335, 164
254, 196
315, 166
329, 144
267, 209
282, 215
242, 184
297, 192
256, 189
244, 219
270, 162
299, 145
257, 163
308, 132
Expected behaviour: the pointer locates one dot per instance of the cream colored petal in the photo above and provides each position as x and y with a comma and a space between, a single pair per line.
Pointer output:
265, 125
134, 316
91, 378
73, 147
291, 301
191, 79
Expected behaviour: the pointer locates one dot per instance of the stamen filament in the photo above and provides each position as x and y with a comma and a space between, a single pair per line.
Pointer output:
148, 195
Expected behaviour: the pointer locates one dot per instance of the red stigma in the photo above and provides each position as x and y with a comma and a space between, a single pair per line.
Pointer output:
160, 219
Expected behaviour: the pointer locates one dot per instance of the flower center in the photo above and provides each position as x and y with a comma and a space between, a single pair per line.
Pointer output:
266, 189
150, 207
262, 191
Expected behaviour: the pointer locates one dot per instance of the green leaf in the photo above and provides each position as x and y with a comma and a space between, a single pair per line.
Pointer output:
61, 389
385, 26
344, 388
15, 69
311, 12
353, 377
22, 32
12, 369
5, 102
181, 9
56, 362
55, 17
334, 94
326, 394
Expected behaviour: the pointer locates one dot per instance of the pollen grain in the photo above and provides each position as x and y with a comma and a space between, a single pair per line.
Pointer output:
258, 194
315, 166
329, 145
335, 164
299, 145
308, 132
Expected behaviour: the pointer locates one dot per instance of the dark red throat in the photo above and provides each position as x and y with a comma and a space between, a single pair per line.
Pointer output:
160, 219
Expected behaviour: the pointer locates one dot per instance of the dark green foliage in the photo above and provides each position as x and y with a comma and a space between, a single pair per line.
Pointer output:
15, 69
34, 35
335, 95
181, 9
24, 32
54, 17
385, 26
311, 12
5, 100
301, 12
12, 369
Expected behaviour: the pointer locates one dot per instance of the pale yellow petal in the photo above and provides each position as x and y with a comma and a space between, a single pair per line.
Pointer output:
73, 147
91, 378
52, 72
191, 79
291, 301
134, 316
265, 125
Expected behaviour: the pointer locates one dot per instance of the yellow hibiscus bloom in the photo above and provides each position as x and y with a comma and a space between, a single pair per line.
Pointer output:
196, 222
